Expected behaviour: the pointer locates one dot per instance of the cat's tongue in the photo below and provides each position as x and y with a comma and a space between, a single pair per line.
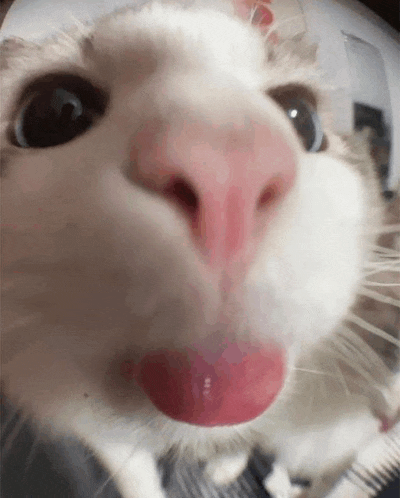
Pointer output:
233, 385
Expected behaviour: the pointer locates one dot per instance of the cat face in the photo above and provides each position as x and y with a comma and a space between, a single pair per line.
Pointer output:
179, 223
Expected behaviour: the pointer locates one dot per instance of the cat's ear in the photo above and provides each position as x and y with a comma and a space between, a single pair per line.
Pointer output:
301, 46
11, 48
259, 12
298, 46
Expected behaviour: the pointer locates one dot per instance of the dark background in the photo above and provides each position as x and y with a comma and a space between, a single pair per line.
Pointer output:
387, 9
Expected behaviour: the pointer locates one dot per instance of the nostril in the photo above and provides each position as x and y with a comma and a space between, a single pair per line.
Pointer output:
180, 192
270, 194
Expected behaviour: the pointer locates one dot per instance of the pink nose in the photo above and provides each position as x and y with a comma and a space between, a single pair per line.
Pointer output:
229, 182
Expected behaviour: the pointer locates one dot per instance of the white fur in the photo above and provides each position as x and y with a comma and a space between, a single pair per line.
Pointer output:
112, 269
277, 482
225, 469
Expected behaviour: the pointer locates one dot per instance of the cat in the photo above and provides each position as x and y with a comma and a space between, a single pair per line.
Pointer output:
185, 246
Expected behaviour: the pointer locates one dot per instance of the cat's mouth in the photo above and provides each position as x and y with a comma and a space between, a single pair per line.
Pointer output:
231, 385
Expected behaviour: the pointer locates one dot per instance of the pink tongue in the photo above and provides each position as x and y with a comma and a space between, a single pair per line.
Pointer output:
234, 385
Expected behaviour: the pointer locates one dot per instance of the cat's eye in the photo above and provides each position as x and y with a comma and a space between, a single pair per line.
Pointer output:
55, 110
304, 118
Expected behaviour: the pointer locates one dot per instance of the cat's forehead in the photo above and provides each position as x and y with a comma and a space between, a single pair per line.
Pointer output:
159, 35
175, 40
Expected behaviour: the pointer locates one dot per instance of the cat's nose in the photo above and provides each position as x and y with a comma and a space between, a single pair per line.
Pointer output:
228, 181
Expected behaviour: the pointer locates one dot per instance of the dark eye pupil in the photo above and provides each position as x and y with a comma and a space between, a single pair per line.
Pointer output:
306, 123
51, 119
303, 117
55, 113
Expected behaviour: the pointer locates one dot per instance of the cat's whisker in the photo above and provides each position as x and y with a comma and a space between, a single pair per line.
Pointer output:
342, 378
349, 340
385, 251
379, 297
311, 371
371, 328
346, 356
102, 487
387, 229
392, 261
384, 256
31, 455
277, 24
387, 255
384, 268
80, 27
389, 262
113, 475
367, 279
22, 419
381, 284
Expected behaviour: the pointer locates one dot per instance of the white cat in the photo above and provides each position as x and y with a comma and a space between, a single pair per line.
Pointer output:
184, 237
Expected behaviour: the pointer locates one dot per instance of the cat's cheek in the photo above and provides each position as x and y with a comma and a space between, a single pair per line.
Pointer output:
32, 178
